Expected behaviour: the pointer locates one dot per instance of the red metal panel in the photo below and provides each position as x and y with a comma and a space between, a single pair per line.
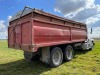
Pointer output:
78, 34
17, 34
11, 37
20, 35
50, 33
47, 34
26, 33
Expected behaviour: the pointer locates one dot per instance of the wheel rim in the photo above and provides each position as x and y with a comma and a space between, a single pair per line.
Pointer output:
69, 53
57, 57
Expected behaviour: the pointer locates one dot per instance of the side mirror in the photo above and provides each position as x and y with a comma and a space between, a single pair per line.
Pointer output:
91, 31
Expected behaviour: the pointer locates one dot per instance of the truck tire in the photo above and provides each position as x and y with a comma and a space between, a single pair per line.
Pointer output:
68, 53
56, 57
28, 56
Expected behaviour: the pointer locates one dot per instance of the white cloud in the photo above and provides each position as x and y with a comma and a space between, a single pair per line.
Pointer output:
92, 20
95, 33
89, 3
3, 30
2, 26
9, 17
3, 35
85, 11
11, 7
68, 7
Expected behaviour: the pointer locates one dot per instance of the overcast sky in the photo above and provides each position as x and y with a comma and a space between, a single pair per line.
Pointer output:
86, 11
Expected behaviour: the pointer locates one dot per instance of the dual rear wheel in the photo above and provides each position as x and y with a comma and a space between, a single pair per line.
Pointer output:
57, 55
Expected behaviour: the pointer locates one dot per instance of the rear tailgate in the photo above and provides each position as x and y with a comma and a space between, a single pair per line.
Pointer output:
19, 36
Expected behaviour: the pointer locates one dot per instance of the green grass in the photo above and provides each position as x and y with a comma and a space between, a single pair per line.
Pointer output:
84, 63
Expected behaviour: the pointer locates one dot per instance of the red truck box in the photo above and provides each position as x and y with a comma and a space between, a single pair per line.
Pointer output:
36, 29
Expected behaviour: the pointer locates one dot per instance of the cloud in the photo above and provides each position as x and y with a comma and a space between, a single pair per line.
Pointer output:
2, 26
96, 30
9, 17
3, 30
85, 11
93, 21
3, 35
69, 6
78, 10
72, 7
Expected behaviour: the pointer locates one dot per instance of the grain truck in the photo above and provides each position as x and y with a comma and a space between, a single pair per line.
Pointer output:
47, 37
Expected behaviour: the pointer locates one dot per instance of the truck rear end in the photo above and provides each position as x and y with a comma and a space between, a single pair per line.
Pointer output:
20, 35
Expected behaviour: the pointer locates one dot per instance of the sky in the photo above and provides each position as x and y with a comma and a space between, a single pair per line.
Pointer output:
85, 11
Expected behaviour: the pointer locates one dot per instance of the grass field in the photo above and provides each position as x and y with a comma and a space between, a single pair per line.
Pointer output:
84, 63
